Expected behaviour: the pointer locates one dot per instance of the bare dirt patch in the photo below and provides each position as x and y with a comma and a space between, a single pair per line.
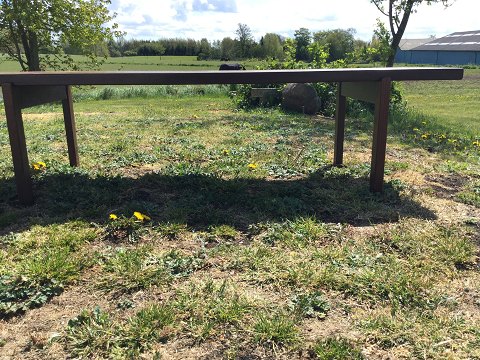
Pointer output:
28, 336
446, 185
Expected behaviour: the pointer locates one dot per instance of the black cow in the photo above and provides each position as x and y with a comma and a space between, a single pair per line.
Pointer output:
232, 67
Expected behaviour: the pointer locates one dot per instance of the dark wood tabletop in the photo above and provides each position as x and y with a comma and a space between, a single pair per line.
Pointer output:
228, 77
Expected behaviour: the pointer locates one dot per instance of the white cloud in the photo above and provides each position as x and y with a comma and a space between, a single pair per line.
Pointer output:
215, 19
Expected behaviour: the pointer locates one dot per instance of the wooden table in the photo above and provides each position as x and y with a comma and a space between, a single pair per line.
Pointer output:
26, 89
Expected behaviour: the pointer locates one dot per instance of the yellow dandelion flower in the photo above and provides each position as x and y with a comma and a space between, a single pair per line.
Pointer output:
416, 129
226, 152
195, 116
424, 136
252, 166
113, 217
141, 217
39, 165
476, 143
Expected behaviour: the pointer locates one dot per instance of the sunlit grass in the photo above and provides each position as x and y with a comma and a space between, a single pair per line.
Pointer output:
254, 245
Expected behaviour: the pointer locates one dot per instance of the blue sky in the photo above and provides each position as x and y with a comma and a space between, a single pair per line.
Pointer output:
216, 19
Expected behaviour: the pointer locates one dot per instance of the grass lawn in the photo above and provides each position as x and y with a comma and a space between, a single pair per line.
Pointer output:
195, 231
459, 111
145, 63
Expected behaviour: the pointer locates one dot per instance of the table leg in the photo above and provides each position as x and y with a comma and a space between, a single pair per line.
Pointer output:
339, 126
18, 144
380, 135
70, 128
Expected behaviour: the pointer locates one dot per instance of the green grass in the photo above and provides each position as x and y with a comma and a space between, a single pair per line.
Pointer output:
143, 63
336, 349
288, 259
275, 330
458, 111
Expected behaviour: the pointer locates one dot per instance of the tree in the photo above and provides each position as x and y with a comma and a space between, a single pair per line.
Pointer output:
245, 39
29, 28
302, 41
272, 46
339, 42
204, 49
398, 13
227, 48
379, 49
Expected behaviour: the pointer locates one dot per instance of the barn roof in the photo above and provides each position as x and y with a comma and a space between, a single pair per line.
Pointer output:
409, 44
458, 41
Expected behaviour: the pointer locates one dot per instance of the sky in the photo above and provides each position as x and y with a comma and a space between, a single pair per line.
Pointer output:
216, 19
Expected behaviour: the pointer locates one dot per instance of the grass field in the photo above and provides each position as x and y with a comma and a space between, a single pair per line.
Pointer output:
133, 63
193, 230
453, 103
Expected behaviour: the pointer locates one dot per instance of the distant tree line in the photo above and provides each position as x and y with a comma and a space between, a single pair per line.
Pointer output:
339, 43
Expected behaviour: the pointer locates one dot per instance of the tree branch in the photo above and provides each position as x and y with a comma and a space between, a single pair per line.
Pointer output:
380, 8
18, 53
391, 17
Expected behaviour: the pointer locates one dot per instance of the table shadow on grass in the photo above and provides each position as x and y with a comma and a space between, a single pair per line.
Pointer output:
201, 200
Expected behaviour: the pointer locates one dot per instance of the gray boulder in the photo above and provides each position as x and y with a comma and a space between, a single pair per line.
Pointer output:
301, 98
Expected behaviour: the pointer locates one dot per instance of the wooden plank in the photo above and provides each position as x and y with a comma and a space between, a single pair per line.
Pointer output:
228, 77
364, 91
18, 145
340, 114
70, 128
38, 95
380, 135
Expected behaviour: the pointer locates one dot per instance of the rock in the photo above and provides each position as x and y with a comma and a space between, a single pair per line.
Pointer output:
301, 97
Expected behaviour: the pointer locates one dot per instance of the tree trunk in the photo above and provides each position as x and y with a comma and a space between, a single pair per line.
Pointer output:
30, 46
34, 56
397, 36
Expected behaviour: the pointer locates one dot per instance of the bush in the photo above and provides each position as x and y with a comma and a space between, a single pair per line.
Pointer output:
326, 91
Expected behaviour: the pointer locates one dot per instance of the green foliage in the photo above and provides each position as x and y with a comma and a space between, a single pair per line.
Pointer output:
181, 265
316, 57
150, 50
310, 305
339, 42
245, 40
123, 229
78, 23
17, 294
272, 46
302, 42
380, 50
